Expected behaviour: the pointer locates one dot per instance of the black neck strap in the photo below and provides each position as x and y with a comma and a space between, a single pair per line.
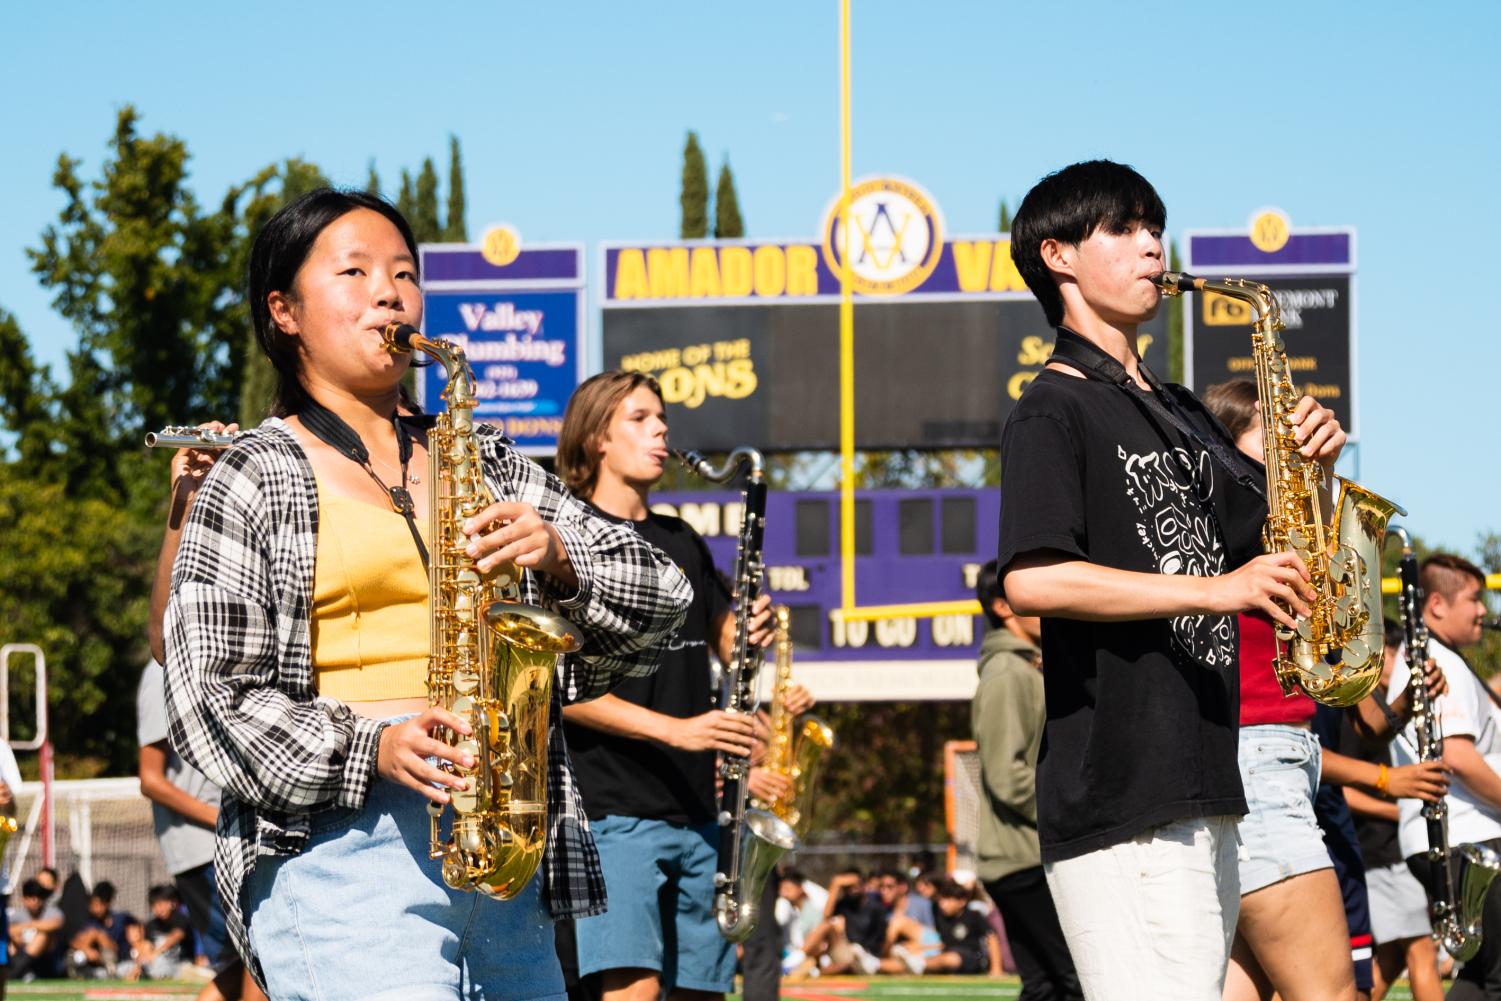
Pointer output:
1089, 358
331, 429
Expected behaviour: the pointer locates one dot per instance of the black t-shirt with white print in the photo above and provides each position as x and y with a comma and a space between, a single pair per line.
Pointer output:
621, 776
1141, 722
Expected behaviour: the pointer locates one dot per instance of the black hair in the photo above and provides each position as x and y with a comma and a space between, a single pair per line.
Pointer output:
1393, 634
898, 875
1068, 206
278, 253
987, 590
33, 888
795, 876
951, 888
164, 891
105, 891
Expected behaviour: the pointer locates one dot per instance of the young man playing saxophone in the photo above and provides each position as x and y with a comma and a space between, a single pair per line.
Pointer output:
1126, 527
645, 753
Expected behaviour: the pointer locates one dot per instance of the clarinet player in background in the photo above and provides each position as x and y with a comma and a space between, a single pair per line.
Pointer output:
645, 753
1453, 610
297, 643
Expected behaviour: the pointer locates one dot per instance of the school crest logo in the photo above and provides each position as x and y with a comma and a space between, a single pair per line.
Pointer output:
895, 236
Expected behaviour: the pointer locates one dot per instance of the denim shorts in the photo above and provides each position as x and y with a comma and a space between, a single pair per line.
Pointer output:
1279, 766
660, 881
363, 913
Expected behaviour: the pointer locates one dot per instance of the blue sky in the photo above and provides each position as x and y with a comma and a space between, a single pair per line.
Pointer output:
572, 119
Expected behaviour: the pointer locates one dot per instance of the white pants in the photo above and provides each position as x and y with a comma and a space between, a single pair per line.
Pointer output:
1153, 917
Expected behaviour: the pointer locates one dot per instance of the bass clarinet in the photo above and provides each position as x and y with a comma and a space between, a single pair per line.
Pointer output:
1456, 891
757, 839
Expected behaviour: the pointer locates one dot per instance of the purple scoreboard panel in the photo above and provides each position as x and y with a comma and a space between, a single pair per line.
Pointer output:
522, 327
1312, 273
912, 545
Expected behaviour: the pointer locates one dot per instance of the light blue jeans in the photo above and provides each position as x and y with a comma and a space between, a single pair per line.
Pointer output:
364, 914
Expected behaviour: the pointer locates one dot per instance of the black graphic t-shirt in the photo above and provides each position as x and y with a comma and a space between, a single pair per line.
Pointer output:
965, 932
622, 777
1141, 716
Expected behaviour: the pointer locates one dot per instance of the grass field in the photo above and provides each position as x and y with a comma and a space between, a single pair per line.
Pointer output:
831, 989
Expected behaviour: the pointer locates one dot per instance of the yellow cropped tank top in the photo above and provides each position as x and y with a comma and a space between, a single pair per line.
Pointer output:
370, 629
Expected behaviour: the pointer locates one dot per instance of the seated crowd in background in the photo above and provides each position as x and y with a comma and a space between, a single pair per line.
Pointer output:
101, 942
885, 923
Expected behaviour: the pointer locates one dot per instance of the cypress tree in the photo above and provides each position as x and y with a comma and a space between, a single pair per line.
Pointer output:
454, 229
406, 200
727, 221
694, 199
1175, 321
372, 180
1005, 221
425, 213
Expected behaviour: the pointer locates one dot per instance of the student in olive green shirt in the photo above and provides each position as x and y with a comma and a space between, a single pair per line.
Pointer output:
1007, 717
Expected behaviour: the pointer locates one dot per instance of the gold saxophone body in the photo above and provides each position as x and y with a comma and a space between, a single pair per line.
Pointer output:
1334, 655
797, 743
493, 660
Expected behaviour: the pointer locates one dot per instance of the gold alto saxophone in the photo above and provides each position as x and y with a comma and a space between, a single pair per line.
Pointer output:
1334, 655
797, 743
492, 663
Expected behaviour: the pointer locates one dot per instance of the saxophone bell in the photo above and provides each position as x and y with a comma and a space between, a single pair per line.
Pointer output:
1458, 928
766, 839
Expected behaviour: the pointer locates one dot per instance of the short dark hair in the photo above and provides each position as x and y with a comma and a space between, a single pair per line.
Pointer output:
794, 876
1068, 206
1445, 574
33, 888
586, 420
105, 891
1233, 403
896, 874
164, 891
951, 888
987, 589
277, 255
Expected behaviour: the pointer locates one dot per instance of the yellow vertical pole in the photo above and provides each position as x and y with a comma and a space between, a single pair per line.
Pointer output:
846, 329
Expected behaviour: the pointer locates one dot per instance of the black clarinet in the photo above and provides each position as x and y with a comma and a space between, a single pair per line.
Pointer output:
758, 839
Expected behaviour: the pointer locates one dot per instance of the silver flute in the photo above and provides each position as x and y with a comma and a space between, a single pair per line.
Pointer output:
188, 437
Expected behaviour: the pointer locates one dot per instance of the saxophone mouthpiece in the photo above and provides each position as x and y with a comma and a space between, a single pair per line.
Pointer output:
1176, 282
398, 336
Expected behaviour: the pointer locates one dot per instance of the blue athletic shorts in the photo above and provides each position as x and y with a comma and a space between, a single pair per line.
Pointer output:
660, 881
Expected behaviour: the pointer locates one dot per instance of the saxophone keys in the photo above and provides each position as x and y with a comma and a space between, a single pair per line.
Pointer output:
1305, 630
1298, 541
1357, 651
465, 682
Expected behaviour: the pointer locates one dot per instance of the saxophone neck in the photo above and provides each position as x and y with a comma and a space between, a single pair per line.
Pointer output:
1258, 296
401, 338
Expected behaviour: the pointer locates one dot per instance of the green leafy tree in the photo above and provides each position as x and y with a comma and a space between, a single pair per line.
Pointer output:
727, 221
372, 179
694, 199
140, 272
247, 208
454, 228
424, 217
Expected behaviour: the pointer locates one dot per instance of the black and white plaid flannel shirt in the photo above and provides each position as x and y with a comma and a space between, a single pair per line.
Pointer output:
241, 700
